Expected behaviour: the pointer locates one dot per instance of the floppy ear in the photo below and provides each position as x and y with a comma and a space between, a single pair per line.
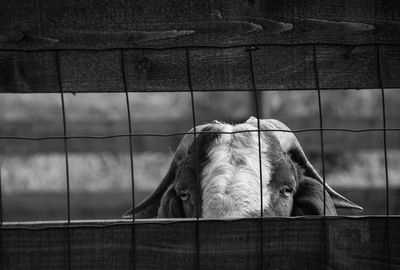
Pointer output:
170, 205
309, 199
149, 208
291, 145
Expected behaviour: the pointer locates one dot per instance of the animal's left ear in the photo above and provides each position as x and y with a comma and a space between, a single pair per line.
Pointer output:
311, 181
309, 199
170, 205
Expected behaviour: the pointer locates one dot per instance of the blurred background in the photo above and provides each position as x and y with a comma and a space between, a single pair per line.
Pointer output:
33, 174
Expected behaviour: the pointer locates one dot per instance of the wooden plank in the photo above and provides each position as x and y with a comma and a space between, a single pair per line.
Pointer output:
284, 67
116, 24
227, 69
289, 243
390, 62
275, 67
354, 67
94, 71
25, 72
148, 70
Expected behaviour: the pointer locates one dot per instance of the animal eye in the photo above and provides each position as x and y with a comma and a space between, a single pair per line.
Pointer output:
184, 195
286, 191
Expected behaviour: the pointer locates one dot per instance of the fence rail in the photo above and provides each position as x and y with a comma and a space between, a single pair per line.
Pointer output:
289, 243
166, 23
212, 69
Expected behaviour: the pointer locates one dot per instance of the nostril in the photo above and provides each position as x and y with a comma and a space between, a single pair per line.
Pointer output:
286, 191
184, 195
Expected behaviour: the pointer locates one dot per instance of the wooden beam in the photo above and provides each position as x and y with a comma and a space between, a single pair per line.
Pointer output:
103, 24
289, 243
212, 69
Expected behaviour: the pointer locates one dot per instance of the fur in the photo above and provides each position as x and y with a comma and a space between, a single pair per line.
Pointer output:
231, 177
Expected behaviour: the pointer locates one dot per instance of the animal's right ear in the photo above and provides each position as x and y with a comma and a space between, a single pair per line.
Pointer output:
149, 208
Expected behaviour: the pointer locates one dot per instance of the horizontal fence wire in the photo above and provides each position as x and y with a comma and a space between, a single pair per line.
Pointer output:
76, 224
329, 89
122, 135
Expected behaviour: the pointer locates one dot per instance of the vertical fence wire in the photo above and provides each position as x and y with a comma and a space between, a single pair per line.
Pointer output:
321, 134
128, 107
57, 56
198, 190
254, 86
189, 77
381, 86
1, 223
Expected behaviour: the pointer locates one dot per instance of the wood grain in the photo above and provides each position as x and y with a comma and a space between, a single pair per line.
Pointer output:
58, 24
212, 69
291, 243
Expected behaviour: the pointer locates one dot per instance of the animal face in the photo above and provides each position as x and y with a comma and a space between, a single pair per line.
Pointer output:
234, 165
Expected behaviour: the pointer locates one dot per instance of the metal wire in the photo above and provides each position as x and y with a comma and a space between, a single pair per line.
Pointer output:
384, 129
253, 80
189, 132
1, 223
162, 222
66, 155
128, 108
320, 117
330, 89
189, 77
321, 133
387, 231
143, 222
254, 89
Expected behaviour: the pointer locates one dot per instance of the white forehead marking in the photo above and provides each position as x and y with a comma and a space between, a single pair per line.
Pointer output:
231, 179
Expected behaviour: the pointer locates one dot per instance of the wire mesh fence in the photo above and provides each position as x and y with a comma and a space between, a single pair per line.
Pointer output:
69, 225
344, 242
